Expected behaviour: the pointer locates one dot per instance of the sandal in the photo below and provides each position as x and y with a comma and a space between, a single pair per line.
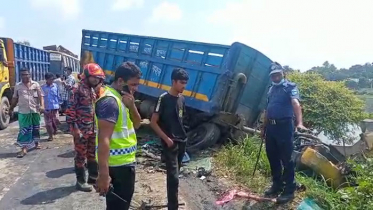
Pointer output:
21, 154
37, 146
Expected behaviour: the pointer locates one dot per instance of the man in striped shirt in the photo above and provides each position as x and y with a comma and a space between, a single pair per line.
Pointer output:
69, 83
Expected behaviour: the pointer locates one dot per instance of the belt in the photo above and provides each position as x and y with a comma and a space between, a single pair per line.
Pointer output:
278, 121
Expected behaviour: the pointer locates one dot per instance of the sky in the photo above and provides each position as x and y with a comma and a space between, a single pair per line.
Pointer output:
299, 33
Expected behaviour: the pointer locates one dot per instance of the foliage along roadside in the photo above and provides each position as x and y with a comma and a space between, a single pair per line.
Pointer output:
328, 106
239, 160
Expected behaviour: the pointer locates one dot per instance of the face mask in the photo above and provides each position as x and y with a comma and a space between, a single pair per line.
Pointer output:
278, 83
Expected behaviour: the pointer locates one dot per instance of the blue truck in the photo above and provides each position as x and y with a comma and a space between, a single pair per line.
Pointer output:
13, 57
227, 85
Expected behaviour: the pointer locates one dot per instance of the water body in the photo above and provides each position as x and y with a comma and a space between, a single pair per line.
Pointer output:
354, 134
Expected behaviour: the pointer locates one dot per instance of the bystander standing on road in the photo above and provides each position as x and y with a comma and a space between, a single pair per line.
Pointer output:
61, 89
278, 131
29, 97
52, 105
80, 117
58, 80
167, 122
69, 84
117, 118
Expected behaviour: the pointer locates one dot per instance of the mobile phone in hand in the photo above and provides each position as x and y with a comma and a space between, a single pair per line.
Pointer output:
126, 89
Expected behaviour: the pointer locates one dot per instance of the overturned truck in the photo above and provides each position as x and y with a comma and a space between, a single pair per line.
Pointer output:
227, 86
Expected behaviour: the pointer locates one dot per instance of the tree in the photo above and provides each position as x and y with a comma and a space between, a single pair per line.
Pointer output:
328, 106
327, 70
24, 42
288, 69
331, 73
364, 82
351, 84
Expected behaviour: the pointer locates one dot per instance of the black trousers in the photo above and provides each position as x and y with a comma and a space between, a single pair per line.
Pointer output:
123, 181
279, 147
173, 157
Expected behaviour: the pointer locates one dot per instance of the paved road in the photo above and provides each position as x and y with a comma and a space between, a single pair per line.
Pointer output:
43, 179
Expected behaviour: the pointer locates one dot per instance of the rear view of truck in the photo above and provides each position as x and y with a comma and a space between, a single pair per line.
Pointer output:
224, 80
15, 56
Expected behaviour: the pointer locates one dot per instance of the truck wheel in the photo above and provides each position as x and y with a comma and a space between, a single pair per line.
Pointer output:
4, 116
147, 108
202, 137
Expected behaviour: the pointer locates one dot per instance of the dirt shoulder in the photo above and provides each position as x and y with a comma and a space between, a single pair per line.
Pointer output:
44, 179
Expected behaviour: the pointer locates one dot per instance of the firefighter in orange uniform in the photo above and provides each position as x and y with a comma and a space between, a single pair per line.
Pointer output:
80, 117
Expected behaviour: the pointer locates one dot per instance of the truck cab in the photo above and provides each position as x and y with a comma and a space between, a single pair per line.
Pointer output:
5, 91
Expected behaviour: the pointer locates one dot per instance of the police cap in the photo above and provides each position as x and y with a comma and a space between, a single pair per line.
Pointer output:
276, 68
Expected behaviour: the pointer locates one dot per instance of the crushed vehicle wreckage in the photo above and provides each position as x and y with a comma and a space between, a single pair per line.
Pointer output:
314, 157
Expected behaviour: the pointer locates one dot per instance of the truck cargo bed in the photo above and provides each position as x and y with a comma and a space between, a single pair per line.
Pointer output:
36, 60
212, 69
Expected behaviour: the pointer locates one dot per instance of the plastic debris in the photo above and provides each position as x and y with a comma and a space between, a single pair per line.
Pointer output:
308, 204
205, 163
152, 142
231, 194
186, 158
228, 197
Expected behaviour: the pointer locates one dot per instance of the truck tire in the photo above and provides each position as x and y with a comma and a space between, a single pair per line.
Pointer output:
147, 108
4, 117
202, 137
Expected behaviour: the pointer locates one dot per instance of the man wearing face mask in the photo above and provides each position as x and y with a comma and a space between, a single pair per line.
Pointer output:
80, 117
278, 130
117, 118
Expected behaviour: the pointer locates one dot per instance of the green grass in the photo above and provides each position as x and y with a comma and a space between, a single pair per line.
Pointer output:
238, 161
324, 196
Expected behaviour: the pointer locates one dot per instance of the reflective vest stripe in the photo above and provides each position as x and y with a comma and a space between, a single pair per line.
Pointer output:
125, 115
123, 134
123, 151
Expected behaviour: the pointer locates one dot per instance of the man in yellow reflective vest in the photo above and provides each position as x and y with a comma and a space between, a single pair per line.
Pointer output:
117, 118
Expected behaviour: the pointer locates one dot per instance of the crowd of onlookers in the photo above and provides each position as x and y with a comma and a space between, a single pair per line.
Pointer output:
34, 99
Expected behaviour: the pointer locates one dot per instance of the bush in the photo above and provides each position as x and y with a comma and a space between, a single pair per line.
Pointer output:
349, 198
361, 196
328, 106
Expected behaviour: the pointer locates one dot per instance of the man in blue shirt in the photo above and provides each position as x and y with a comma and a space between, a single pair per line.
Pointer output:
278, 130
52, 105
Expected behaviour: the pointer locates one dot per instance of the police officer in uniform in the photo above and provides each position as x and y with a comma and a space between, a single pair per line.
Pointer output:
278, 130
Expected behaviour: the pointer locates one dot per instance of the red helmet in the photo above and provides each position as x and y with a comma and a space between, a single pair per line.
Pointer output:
93, 70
